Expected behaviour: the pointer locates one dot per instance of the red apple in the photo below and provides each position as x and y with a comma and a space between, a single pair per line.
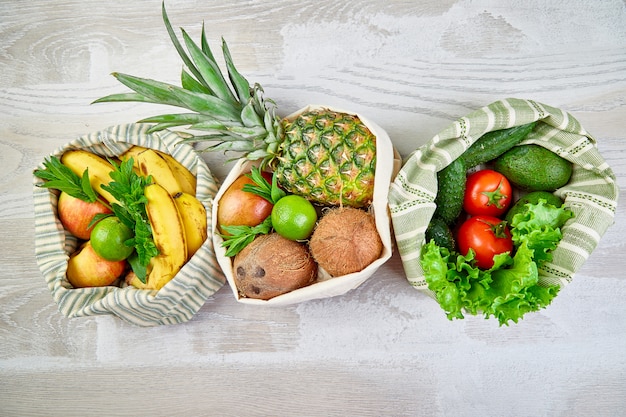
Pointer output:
76, 214
242, 208
86, 268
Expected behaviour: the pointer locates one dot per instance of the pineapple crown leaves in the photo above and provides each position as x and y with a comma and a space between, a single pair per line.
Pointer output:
235, 116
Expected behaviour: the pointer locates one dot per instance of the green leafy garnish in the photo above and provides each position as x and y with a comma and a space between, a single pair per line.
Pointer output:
128, 188
238, 237
511, 287
261, 187
59, 177
138, 268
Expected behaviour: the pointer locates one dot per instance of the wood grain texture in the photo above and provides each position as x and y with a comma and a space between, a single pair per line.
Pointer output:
382, 349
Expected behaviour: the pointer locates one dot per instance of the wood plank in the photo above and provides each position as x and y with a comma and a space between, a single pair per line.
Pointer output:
383, 348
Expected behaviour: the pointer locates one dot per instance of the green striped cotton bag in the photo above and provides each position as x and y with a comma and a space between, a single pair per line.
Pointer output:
591, 193
178, 300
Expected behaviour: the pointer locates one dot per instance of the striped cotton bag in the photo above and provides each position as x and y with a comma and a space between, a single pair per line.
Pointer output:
179, 299
591, 193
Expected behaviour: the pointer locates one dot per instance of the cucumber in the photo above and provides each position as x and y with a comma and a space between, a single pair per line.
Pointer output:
493, 144
440, 233
451, 179
450, 190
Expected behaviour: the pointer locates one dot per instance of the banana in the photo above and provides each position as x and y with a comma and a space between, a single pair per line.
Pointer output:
185, 178
133, 151
148, 162
99, 169
194, 219
169, 237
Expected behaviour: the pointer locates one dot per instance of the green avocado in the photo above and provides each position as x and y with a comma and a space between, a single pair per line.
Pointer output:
534, 168
532, 198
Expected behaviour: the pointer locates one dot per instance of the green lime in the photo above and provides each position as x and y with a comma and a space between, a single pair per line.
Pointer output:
294, 217
108, 237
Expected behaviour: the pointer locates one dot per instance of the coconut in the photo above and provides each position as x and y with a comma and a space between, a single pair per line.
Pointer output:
345, 241
272, 265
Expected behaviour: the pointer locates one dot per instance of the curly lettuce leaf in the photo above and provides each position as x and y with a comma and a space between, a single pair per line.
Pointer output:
511, 287
507, 291
435, 265
516, 291
539, 225
457, 283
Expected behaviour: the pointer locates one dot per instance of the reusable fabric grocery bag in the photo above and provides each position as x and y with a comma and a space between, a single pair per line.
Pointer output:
591, 193
180, 298
387, 164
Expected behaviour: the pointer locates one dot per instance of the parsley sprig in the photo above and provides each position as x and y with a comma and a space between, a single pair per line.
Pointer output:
239, 237
59, 177
270, 192
128, 188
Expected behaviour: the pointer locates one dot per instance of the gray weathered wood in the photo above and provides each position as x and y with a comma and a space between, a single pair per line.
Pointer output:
382, 349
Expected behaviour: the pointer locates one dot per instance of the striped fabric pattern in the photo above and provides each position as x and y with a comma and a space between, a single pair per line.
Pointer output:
178, 300
591, 193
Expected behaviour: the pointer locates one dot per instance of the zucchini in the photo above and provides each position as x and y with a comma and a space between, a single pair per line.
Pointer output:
493, 144
450, 190
440, 233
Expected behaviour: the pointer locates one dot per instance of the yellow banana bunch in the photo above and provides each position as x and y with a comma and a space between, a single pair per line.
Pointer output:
164, 168
194, 219
148, 162
99, 169
185, 178
169, 237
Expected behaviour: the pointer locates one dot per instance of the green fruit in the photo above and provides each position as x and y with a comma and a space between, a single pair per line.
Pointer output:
534, 168
532, 198
108, 237
294, 217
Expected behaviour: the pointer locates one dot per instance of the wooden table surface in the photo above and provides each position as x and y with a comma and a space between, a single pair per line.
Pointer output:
383, 349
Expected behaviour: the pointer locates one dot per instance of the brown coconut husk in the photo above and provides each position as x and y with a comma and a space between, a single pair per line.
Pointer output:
345, 241
272, 265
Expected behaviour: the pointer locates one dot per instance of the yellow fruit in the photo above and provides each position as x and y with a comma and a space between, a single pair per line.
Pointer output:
86, 268
194, 219
169, 237
185, 178
132, 152
148, 162
99, 169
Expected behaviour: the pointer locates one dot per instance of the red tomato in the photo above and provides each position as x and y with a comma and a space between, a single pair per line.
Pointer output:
487, 236
487, 192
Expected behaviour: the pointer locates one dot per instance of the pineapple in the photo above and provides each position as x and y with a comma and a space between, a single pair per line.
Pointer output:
325, 156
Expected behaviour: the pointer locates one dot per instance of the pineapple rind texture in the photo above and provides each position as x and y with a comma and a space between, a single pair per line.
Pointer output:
329, 157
